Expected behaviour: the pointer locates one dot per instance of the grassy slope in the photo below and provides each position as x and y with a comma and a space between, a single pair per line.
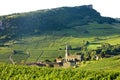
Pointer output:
4, 54
51, 43
108, 64
103, 69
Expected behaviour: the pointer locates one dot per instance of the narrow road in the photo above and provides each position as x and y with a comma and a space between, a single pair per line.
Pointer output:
39, 56
11, 60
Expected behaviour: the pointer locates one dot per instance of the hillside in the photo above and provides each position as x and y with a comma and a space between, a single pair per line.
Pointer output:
51, 20
45, 33
41, 36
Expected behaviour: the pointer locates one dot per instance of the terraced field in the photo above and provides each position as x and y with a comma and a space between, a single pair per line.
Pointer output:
52, 47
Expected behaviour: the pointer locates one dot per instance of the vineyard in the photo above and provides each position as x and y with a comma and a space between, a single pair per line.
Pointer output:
29, 49
53, 38
15, 72
105, 69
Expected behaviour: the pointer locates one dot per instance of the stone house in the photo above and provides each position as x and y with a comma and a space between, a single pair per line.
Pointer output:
59, 60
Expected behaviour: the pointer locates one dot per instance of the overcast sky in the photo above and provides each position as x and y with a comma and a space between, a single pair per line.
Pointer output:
108, 8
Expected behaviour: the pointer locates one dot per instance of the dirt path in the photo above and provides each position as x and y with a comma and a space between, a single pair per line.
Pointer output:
11, 60
39, 56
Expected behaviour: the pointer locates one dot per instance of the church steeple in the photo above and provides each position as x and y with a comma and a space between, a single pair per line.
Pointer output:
66, 52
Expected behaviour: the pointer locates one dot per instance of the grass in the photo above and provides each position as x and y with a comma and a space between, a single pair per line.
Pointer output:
5, 58
51, 45
102, 29
55, 40
108, 64
4, 54
20, 57
4, 50
112, 41
47, 47
93, 46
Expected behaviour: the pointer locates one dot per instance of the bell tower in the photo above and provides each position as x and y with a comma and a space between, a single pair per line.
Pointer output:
66, 52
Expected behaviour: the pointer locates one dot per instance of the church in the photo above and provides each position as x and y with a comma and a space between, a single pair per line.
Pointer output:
71, 60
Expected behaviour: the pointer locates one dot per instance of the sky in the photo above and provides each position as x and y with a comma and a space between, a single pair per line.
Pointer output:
108, 8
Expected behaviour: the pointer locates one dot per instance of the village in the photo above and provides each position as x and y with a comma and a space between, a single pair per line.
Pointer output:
67, 61
71, 56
